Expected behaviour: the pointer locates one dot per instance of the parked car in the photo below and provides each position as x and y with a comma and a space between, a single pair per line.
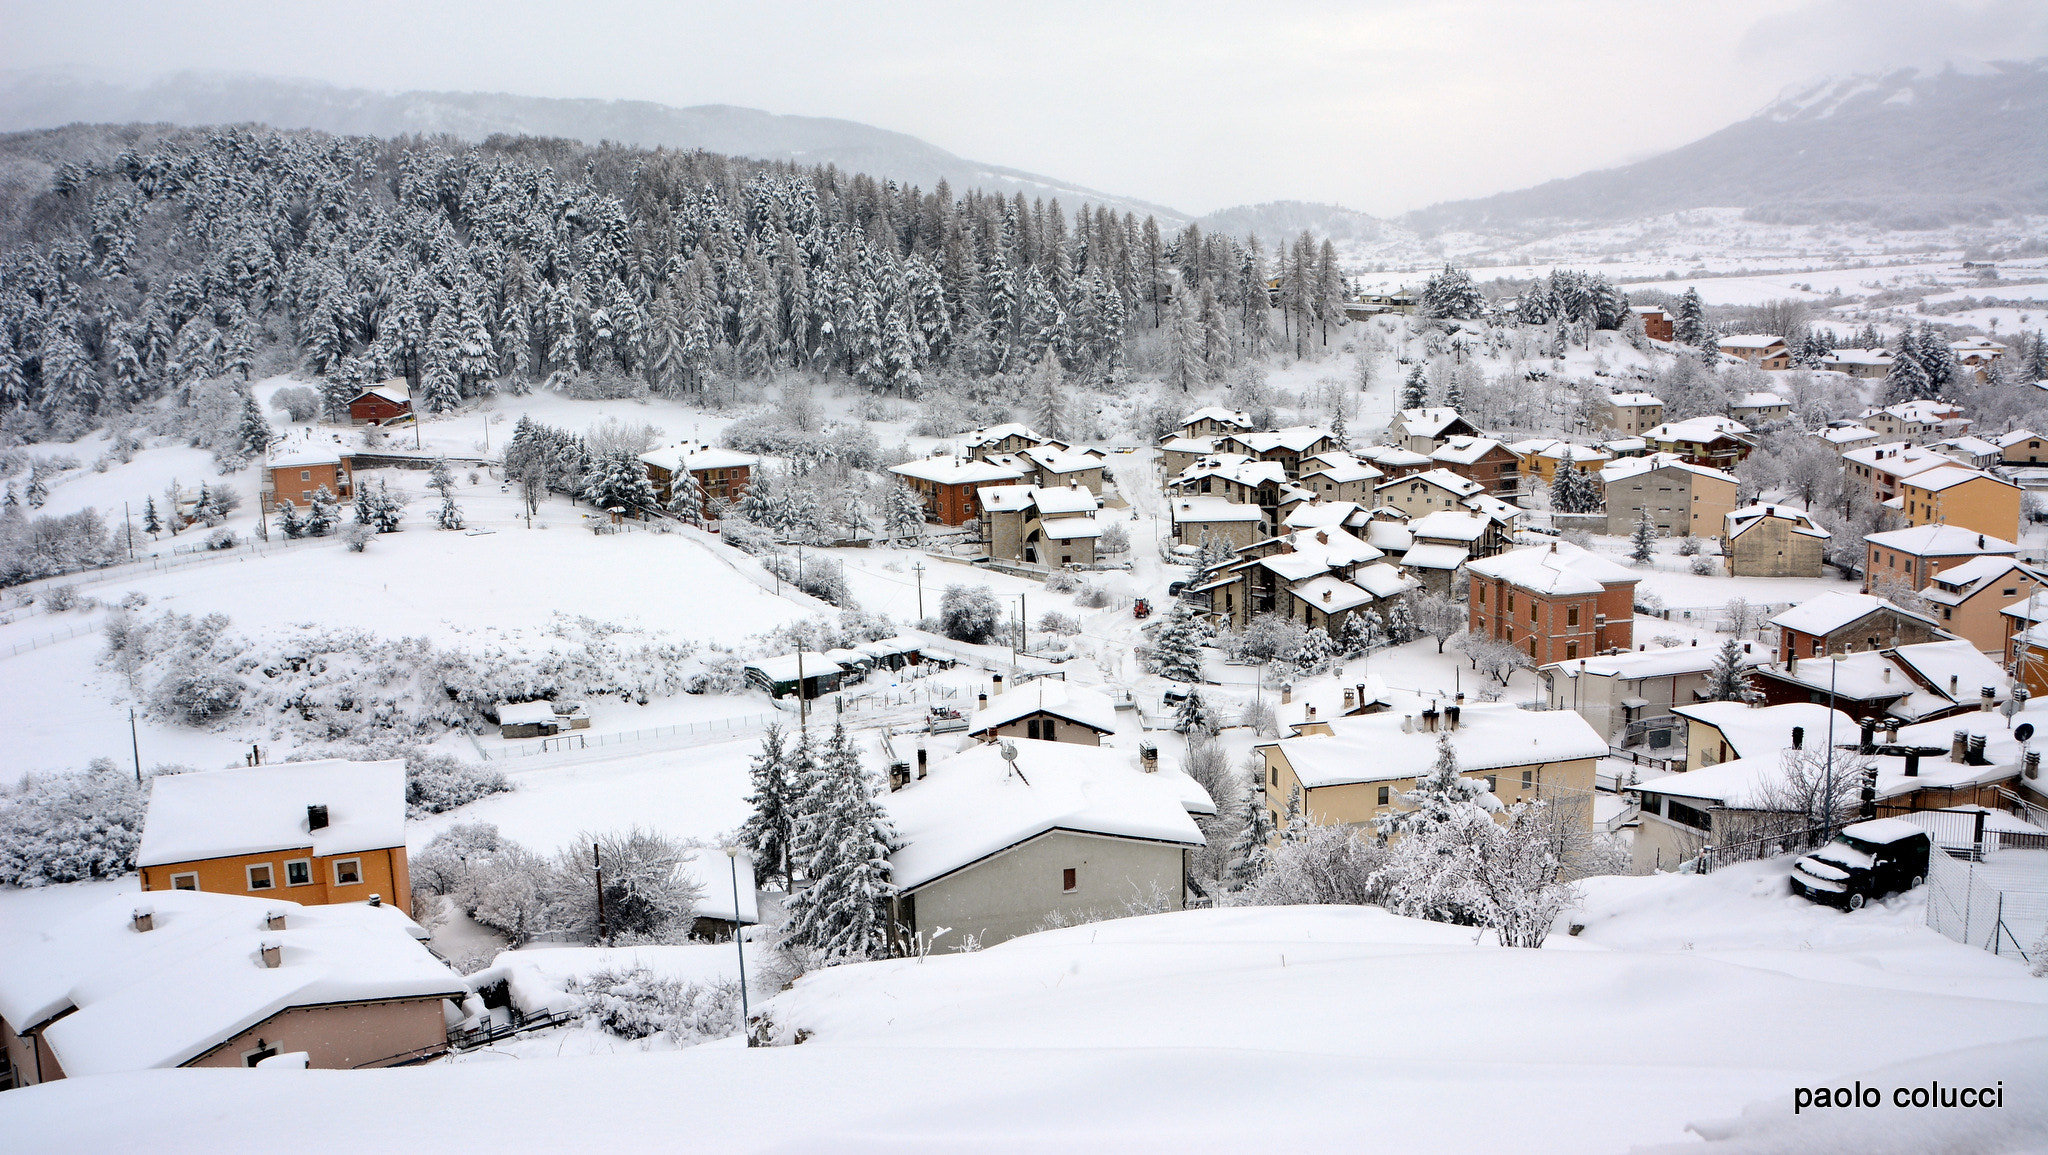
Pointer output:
1173, 591
1865, 861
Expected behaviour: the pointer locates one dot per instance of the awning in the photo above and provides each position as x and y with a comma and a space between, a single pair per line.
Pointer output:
1634, 703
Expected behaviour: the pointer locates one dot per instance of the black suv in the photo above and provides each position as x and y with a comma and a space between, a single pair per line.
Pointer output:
1865, 861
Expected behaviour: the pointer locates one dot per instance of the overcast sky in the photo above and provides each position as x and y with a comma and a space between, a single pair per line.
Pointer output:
1382, 105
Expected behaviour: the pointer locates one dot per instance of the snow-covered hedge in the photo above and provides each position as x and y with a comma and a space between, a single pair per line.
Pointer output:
70, 827
636, 1003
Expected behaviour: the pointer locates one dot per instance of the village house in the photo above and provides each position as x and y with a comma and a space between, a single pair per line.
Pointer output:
722, 475
1286, 446
1239, 478
2026, 643
1838, 623
1040, 525
1657, 325
1614, 691
1557, 601
1214, 421
991, 847
1715, 442
1422, 430
1915, 556
1971, 452
1844, 436
1441, 543
1864, 363
1917, 422
1759, 349
1961, 498
1353, 770
1177, 453
1629, 413
310, 832
1318, 577
1620, 447
807, 675
1913, 683
1719, 732
1976, 356
1396, 461
2022, 447
1010, 437
381, 403
540, 719
948, 485
199, 979
1881, 467
1338, 476
1205, 519
1969, 597
303, 468
1773, 541
1055, 467
1046, 709
1484, 460
1421, 494
1755, 409
1541, 457
1685, 499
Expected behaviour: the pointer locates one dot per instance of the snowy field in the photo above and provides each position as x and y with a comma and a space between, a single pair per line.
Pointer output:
1176, 1033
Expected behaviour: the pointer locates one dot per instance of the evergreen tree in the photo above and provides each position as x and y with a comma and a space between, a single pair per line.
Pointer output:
1438, 796
686, 498
1339, 433
1414, 392
770, 830
1642, 539
320, 517
845, 839
255, 431
386, 508
1193, 714
1401, 622
618, 479
1251, 853
1728, 681
1294, 824
1177, 644
443, 483
1451, 293
151, 525
903, 512
1364, 631
1049, 400
1571, 491
1689, 320
38, 490
289, 523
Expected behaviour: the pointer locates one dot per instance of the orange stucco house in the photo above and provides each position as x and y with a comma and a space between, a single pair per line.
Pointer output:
309, 832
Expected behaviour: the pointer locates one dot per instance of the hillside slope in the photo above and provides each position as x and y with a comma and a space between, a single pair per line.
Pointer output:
1908, 149
44, 100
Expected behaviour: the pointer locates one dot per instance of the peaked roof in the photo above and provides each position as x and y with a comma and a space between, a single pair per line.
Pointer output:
1835, 609
250, 810
1049, 696
976, 438
1556, 568
1941, 540
690, 455
1738, 521
1428, 422
1237, 418
1376, 748
946, 469
1456, 483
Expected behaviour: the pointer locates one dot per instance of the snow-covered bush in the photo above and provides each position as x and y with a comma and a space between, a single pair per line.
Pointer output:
70, 827
822, 578
1093, 597
634, 1004
296, 402
1703, 565
1062, 581
722, 674
438, 782
44, 546
357, 536
1055, 622
970, 614
222, 538
134, 600
1328, 865
1689, 546
646, 899
1115, 538
196, 695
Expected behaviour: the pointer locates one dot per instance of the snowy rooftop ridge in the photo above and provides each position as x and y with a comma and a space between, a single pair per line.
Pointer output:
1622, 468
1739, 521
1388, 746
1828, 612
255, 809
1073, 703
1939, 539
693, 456
1557, 568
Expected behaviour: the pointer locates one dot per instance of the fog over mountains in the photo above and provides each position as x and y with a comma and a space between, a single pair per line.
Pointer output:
1907, 149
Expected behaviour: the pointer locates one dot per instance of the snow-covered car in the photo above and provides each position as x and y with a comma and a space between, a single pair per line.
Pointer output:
1865, 861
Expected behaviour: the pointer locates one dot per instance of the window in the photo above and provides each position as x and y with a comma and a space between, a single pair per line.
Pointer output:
1492, 783
251, 1058
1571, 615
348, 872
184, 882
298, 872
305, 475
1527, 777
1816, 647
1571, 651
261, 876
1511, 600
1532, 610
1681, 813
1482, 595
1384, 792
1068, 880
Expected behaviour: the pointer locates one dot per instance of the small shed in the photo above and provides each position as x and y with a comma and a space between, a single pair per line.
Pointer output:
540, 719
892, 653
780, 675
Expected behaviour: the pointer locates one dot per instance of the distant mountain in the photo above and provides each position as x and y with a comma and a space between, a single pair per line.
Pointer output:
1906, 149
46, 100
1279, 221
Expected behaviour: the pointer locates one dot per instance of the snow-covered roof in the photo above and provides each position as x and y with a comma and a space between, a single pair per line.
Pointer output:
525, 713
1189, 444
1294, 437
1912, 680
1005, 498
1217, 413
1053, 459
1922, 412
1065, 499
1621, 445
1623, 468
1487, 505
1556, 568
1339, 467
972, 806
1847, 434
1941, 540
300, 453
1751, 341
712, 871
1950, 476
1328, 546
1633, 400
162, 997
254, 809
1070, 528
1974, 446
1456, 484
2008, 440
1964, 578
1241, 468
1749, 781
1393, 456
1189, 510
976, 438
1858, 357
1699, 429
396, 390
1427, 422
1825, 613
1389, 536
1758, 401
1050, 696
1664, 662
1737, 522
1465, 450
1448, 525
783, 667
1491, 736
694, 457
1382, 580
1753, 730
1437, 555
945, 469
1321, 514
1899, 459
1330, 594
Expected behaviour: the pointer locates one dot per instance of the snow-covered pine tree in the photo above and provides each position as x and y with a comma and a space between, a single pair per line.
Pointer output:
1177, 644
1364, 631
255, 431
903, 511
38, 491
1294, 824
1571, 491
1401, 622
1451, 293
1414, 391
846, 839
289, 523
1728, 681
1642, 540
1193, 714
387, 508
443, 483
770, 829
151, 524
686, 497
1437, 794
1339, 433
1251, 854
1049, 399
1689, 320
366, 510
320, 517
617, 479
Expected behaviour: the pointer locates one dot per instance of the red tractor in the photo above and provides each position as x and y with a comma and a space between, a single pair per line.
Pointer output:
1141, 609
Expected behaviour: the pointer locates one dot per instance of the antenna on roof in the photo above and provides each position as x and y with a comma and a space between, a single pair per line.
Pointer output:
1009, 753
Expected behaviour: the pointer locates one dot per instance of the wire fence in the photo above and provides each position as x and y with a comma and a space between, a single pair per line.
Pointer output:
1987, 905
53, 639
579, 740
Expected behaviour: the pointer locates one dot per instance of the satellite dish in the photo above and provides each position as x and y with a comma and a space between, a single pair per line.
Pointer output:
2024, 732
1009, 753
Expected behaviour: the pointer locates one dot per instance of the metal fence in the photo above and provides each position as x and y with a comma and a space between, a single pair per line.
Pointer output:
38, 643
1985, 905
579, 740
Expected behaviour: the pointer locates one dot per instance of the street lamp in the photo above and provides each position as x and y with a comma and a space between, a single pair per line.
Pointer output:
1827, 799
732, 855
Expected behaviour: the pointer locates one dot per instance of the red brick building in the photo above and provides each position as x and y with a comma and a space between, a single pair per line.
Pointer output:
296, 474
948, 483
1656, 322
722, 474
381, 403
1557, 602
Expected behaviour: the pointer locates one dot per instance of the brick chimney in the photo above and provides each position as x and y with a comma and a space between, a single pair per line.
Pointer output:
144, 918
273, 955
274, 920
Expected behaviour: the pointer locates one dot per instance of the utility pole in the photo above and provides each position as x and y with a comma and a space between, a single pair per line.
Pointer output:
597, 863
803, 712
135, 744
125, 520
919, 569
732, 854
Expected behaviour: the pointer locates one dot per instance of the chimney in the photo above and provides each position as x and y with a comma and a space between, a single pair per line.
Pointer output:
1429, 719
1986, 698
376, 900
899, 776
1361, 696
273, 955
1451, 714
1799, 737
1913, 763
1976, 751
1148, 758
316, 818
1980, 541
1792, 662
1891, 730
984, 703
1326, 596
1407, 723
1322, 537
1350, 699
2034, 765
1959, 746
1868, 743
144, 918
1953, 680
922, 759
1286, 694
274, 920
1311, 713
1884, 674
